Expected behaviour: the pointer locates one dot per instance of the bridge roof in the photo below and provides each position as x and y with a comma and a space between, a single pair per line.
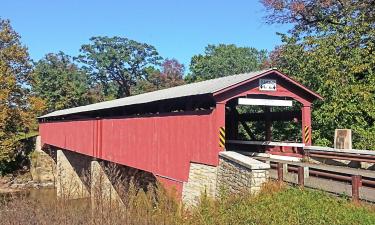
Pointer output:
200, 88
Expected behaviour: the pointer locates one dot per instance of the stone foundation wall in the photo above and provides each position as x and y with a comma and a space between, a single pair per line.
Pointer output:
202, 179
43, 166
235, 173
238, 173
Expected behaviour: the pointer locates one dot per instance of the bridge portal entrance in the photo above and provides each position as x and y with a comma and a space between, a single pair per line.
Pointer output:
261, 124
271, 114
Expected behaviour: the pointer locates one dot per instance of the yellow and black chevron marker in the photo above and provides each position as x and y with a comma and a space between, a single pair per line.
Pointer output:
222, 137
307, 134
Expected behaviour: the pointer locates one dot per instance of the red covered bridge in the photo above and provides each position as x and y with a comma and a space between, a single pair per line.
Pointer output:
162, 132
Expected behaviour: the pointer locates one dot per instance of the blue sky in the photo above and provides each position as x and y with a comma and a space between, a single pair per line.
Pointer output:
178, 29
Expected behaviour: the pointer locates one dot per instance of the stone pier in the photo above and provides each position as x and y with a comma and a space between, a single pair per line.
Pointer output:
103, 193
69, 184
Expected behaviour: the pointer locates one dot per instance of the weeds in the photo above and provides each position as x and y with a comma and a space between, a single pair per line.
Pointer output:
275, 204
279, 204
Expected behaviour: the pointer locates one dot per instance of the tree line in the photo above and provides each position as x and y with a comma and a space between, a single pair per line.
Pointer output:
330, 49
116, 67
106, 68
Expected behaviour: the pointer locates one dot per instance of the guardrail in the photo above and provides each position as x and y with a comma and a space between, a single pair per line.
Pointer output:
328, 176
355, 180
334, 179
341, 154
267, 143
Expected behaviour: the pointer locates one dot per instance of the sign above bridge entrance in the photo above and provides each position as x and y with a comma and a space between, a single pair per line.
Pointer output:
265, 102
267, 85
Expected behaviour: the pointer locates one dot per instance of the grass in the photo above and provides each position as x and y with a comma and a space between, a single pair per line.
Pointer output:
276, 204
282, 205
23, 135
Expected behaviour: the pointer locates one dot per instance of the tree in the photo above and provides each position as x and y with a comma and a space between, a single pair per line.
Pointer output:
170, 75
223, 60
331, 50
117, 63
18, 106
60, 83
320, 15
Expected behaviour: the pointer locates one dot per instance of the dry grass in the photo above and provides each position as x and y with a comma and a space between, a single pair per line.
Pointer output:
139, 207
276, 204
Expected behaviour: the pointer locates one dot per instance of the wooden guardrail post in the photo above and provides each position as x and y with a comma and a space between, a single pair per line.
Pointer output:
280, 171
285, 169
356, 184
301, 176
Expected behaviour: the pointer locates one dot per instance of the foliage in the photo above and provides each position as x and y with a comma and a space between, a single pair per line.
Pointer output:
24, 136
274, 205
18, 105
171, 75
223, 60
316, 15
117, 64
281, 205
60, 83
331, 50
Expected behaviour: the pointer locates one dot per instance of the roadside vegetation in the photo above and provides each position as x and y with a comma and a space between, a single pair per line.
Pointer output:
329, 49
282, 205
276, 204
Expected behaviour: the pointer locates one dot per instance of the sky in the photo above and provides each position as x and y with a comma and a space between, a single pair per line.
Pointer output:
178, 29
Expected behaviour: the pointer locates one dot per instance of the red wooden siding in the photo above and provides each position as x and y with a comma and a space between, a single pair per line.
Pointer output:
73, 135
164, 145
171, 185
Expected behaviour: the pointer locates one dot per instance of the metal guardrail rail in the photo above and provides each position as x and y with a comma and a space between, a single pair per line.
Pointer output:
343, 154
334, 178
313, 174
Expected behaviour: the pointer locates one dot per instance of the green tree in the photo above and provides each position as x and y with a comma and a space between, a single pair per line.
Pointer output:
117, 64
18, 107
60, 83
223, 60
331, 50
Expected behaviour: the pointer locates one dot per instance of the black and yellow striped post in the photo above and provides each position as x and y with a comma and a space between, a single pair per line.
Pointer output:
306, 135
222, 137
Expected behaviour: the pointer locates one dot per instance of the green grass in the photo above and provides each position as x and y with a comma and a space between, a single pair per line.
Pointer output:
282, 206
22, 135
